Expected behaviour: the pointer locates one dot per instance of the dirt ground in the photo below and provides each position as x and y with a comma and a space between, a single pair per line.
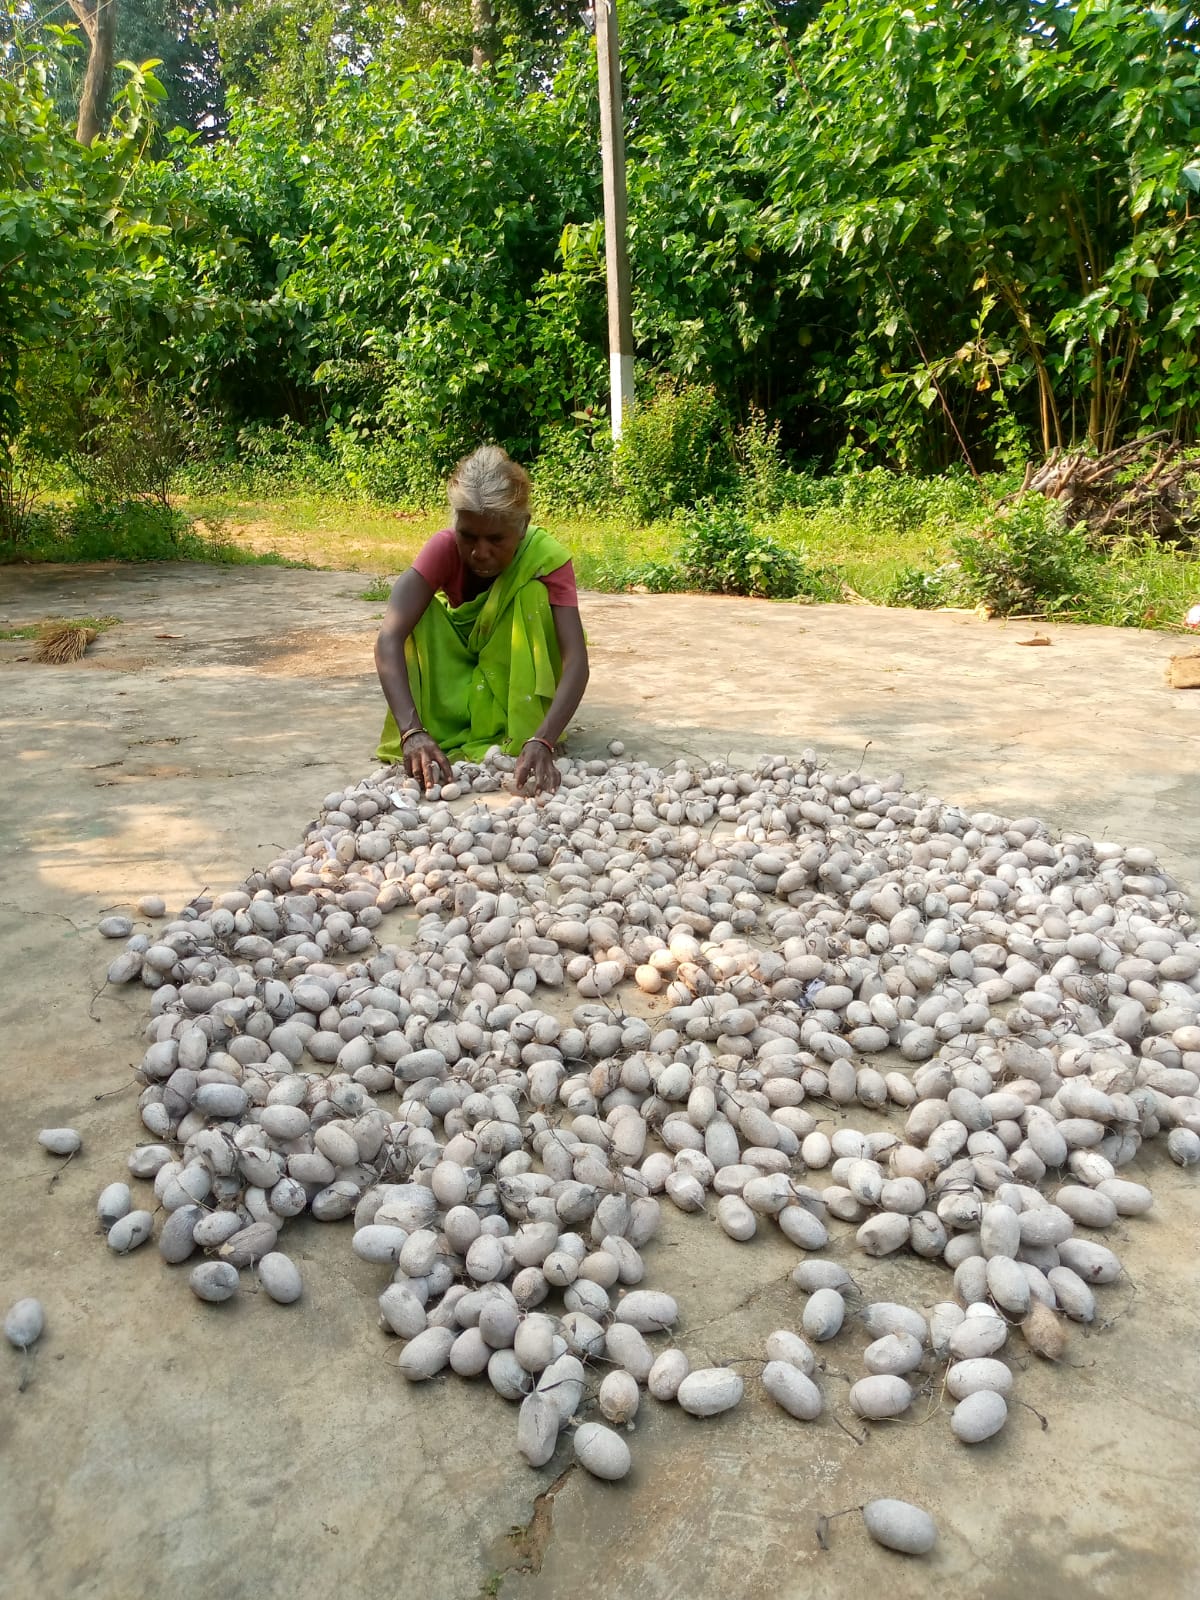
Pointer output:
164, 1448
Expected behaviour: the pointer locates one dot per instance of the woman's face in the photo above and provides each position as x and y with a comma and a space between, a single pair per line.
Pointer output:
488, 544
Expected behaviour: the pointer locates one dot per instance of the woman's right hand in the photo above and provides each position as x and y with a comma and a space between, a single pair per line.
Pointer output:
426, 761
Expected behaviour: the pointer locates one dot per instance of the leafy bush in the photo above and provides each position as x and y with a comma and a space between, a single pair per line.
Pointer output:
721, 553
1139, 584
573, 471
1028, 561
388, 468
138, 531
762, 472
129, 445
676, 450
21, 478
923, 589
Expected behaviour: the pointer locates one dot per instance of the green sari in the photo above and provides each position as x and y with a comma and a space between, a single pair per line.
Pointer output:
484, 673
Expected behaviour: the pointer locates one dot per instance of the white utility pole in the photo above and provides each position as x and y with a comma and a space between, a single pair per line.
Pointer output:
612, 155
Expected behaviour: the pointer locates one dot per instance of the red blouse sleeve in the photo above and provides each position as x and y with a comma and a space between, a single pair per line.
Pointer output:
560, 586
438, 561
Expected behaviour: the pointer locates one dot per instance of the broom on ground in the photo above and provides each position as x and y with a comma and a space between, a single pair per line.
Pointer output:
60, 642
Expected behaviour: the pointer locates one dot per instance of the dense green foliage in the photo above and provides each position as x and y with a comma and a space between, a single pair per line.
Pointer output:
862, 233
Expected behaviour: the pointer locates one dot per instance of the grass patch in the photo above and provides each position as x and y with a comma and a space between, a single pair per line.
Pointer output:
377, 591
891, 540
317, 530
30, 630
1143, 585
80, 532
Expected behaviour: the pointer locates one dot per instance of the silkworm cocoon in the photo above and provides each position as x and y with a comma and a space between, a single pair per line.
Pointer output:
1094, 1263
769, 1194
60, 1141
816, 1150
667, 1373
810, 1276
978, 1335
999, 1230
944, 1318
1088, 1207
585, 1295
824, 1315
1130, 1199
900, 1526
562, 1383
24, 1323
886, 1316
967, 1377
533, 1342
685, 1191
601, 1452
883, 1234
280, 1277
380, 1244
790, 1347
709, 1391
130, 1231
214, 1228
470, 1353
538, 1424
214, 1281
1045, 1333
648, 1311
177, 1241
970, 1280
114, 1203
881, 1395
619, 1397
980, 1416
625, 1346
507, 1376
426, 1355
793, 1390
248, 1245
288, 1198
1008, 1285
485, 1259
799, 1225
284, 1122
1044, 1225
221, 1101
1075, 1298
533, 1242
894, 1354
736, 1218
498, 1322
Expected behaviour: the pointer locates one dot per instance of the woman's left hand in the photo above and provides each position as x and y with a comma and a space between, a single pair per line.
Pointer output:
536, 766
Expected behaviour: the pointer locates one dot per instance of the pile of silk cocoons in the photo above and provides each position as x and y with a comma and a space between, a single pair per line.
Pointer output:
679, 990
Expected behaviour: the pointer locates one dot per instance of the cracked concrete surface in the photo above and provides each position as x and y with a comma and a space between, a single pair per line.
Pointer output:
163, 1448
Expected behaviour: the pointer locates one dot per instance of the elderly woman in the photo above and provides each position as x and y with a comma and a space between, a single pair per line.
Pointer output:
482, 643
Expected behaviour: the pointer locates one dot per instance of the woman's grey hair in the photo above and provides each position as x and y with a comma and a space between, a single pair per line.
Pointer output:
489, 483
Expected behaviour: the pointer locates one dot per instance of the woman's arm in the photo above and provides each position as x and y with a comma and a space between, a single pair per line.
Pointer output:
535, 760
411, 595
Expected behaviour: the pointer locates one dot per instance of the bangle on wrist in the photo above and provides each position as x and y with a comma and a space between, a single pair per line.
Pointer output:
537, 739
408, 733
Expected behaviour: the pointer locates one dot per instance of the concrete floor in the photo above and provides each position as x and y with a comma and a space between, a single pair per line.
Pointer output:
163, 1448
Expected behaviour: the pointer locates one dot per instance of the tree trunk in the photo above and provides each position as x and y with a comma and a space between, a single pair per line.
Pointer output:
98, 18
483, 28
